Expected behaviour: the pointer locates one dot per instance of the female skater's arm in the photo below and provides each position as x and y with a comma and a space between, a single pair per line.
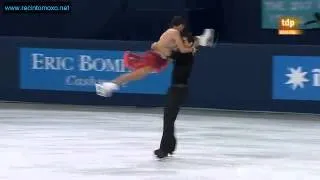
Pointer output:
155, 46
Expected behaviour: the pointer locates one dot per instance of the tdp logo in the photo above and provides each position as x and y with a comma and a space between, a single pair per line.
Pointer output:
289, 23
289, 26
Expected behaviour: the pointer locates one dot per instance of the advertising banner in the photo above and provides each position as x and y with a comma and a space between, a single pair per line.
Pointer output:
79, 70
296, 77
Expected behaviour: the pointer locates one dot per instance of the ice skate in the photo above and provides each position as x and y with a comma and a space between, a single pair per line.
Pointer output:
106, 89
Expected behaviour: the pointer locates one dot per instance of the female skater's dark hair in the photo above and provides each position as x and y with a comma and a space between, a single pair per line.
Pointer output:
190, 38
178, 20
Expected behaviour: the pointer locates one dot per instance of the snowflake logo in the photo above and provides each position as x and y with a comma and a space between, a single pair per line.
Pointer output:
297, 78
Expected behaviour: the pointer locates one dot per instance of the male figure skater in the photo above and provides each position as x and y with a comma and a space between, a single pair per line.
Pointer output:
176, 95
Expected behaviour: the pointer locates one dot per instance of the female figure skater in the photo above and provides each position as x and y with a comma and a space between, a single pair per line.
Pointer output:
153, 60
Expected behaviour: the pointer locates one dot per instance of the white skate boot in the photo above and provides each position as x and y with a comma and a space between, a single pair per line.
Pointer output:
106, 89
206, 38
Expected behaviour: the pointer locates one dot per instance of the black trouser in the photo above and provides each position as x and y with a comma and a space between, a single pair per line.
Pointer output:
175, 97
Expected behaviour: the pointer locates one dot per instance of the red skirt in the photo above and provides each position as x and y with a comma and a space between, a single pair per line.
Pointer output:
136, 61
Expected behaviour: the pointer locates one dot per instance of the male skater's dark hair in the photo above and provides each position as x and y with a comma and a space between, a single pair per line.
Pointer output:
188, 35
190, 38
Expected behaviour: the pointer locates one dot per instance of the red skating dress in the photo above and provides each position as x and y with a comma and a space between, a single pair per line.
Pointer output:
135, 61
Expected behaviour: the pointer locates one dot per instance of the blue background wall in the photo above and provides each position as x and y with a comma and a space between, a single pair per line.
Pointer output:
231, 76
240, 75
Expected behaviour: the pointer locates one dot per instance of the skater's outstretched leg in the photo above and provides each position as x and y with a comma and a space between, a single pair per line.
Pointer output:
106, 89
133, 76
141, 66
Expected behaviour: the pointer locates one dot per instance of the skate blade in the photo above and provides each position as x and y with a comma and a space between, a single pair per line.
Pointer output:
163, 158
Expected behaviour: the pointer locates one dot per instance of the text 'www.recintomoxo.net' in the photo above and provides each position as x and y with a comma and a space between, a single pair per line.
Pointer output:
36, 7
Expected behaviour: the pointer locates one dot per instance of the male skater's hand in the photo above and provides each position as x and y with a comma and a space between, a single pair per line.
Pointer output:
195, 45
194, 50
196, 42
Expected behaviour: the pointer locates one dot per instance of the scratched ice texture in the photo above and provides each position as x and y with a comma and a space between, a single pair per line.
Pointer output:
55, 142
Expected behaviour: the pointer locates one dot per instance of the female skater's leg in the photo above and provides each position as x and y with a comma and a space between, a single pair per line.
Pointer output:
142, 65
105, 89
133, 76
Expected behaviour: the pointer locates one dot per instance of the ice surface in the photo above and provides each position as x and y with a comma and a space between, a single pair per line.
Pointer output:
85, 144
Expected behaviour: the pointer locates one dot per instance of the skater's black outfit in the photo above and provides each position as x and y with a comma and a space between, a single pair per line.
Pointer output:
176, 95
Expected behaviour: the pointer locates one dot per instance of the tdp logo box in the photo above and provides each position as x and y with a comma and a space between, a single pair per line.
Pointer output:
79, 70
296, 78
289, 26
